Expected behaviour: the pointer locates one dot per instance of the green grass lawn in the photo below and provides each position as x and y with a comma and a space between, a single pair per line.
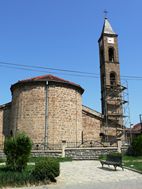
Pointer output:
13, 178
132, 158
133, 162
134, 165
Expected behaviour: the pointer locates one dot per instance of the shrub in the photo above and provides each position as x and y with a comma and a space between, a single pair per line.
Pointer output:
136, 146
115, 154
2, 160
15, 178
17, 150
60, 159
46, 169
102, 157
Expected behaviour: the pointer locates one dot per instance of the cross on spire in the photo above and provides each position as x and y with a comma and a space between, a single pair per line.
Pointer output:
105, 13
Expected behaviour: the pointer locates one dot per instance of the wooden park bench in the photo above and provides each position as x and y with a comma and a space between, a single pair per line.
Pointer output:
114, 160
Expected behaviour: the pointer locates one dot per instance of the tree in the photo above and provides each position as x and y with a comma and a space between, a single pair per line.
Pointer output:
17, 150
137, 146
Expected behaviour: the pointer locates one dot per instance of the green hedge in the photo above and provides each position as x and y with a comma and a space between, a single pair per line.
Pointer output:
46, 169
115, 154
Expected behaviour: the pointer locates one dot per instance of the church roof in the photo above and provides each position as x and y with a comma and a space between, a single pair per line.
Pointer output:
107, 29
49, 78
5, 105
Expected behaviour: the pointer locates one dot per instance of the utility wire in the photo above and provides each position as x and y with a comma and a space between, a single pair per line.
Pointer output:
29, 69
47, 68
67, 72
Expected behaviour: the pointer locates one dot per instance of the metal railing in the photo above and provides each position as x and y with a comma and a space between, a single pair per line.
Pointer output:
43, 146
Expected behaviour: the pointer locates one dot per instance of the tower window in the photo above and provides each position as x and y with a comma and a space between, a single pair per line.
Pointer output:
111, 54
112, 79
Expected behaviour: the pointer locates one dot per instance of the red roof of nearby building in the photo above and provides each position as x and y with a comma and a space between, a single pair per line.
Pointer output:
48, 78
137, 127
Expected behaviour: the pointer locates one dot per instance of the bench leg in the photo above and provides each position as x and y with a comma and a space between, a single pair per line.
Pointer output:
102, 165
115, 167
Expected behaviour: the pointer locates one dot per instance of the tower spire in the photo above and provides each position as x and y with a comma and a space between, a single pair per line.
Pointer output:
107, 28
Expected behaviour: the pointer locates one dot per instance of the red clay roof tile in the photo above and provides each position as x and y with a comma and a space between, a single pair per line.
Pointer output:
48, 78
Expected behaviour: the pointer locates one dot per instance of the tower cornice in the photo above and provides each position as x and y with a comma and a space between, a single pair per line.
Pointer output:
107, 35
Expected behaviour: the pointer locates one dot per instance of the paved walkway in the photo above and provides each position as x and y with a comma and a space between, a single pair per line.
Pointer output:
90, 175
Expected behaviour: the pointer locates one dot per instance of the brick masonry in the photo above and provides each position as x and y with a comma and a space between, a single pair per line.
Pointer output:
64, 114
28, 109
5, 120
91, 124
1, 127
67, 119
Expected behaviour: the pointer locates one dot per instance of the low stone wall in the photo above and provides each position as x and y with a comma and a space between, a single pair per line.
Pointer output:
40, 153
88, 153
46, 153
74, 153
124, 149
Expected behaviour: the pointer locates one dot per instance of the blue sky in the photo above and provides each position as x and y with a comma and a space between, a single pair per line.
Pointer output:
63, 34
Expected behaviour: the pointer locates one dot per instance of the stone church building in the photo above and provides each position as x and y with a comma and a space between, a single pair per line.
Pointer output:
49, 109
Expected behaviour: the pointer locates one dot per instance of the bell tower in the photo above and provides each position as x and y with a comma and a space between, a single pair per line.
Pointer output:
111, 99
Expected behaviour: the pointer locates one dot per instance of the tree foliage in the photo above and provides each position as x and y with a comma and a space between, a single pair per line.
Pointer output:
17, 150
137, 146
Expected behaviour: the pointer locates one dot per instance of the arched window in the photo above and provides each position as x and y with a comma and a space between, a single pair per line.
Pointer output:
113, 79
111, 54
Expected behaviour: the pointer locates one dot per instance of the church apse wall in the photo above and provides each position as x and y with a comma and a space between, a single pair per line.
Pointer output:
65, 114
48, 109
28, 110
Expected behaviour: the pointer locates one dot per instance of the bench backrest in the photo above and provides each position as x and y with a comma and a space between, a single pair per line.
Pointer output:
117, 159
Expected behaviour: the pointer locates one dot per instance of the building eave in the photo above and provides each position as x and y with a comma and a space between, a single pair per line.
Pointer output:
92, 112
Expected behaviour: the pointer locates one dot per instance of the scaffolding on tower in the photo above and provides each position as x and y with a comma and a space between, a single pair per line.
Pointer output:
116, 111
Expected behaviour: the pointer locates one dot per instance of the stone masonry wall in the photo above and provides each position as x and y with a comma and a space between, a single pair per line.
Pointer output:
5, 114
88, 153
1, 128
91, 125
64, 114
28, 111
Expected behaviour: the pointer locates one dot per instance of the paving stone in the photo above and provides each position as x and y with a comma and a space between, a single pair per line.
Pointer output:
90, 175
